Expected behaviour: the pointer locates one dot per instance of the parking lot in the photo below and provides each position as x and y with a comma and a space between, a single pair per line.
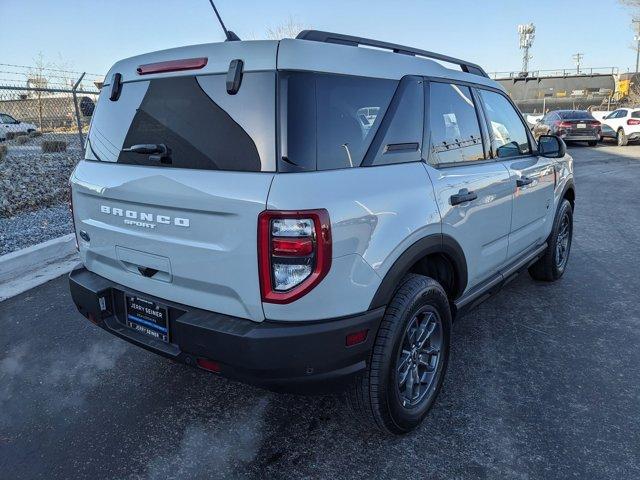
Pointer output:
544, 382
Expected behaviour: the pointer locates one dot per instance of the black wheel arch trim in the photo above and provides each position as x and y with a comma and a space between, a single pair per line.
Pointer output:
570, 185
437, 243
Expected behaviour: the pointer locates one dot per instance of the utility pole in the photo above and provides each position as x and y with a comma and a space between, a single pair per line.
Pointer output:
577, 58
637, 39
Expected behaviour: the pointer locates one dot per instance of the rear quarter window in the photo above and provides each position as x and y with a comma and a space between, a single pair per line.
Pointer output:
330, 120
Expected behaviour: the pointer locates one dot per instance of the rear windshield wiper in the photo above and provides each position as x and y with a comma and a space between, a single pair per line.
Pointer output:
156, 151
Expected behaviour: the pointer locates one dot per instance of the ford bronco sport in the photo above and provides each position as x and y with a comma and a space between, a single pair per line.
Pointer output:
312, 213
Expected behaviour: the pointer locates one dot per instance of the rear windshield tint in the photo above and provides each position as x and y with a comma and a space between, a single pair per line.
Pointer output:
330, 120
575, 115
181, 114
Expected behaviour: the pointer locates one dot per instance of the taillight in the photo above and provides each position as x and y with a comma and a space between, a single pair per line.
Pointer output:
633, 121
172, 66
294, 253
595, 124
564, 124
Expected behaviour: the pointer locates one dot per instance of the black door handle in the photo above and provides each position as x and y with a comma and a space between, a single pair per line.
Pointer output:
522, 181
462, 196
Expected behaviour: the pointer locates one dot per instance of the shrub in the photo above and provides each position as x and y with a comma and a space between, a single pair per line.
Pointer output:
22, 139
3, 152
54, 146
35, 134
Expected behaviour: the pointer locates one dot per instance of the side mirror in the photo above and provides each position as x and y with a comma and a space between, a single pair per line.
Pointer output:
551, 146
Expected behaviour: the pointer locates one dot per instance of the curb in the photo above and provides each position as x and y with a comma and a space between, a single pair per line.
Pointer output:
32, 266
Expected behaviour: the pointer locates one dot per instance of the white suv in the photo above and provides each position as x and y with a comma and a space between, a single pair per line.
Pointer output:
308, 215
626, 123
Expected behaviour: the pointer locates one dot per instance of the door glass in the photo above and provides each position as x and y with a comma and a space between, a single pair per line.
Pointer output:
508, 134
454, 127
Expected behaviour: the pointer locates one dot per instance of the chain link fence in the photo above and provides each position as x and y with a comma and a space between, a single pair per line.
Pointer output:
44, 119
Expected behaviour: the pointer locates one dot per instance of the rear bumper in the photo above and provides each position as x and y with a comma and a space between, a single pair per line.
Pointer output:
303, 357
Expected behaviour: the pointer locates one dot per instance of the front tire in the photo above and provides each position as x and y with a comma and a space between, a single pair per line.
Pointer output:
409, 358
551, 266
622, 139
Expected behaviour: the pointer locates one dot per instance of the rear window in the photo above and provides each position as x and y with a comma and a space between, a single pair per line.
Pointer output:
201, 125
330, 120
575, 115
635, 114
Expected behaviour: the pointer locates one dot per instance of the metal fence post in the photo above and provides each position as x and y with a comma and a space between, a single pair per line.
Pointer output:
75, 104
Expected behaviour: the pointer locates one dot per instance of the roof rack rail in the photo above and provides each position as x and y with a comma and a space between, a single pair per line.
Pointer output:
328, 37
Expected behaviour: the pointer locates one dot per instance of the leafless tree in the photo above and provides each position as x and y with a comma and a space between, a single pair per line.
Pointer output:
288, 29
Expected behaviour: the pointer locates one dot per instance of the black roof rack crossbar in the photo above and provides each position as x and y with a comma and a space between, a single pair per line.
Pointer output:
328, 37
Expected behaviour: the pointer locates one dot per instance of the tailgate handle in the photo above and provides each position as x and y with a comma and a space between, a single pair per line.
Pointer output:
147, 272
156, 151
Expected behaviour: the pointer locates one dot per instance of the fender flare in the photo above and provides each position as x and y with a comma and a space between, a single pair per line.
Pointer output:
437, 243
569, 185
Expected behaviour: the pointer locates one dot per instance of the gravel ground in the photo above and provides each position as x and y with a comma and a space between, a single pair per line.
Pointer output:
32, 228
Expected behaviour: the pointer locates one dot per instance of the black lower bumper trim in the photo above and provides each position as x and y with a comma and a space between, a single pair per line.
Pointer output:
304, 357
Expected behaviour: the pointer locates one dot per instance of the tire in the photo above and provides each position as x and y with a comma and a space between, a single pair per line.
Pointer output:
622, 139
553, 263
592, 143
386, 395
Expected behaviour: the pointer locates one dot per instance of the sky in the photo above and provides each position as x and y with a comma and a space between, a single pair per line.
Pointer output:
90, 35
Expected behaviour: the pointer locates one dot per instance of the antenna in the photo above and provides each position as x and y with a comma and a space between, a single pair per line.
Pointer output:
527, 34
231, 37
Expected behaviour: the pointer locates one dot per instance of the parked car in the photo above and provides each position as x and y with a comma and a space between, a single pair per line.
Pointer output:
625, 122
570, 125
308, 234
9, 125
608, 133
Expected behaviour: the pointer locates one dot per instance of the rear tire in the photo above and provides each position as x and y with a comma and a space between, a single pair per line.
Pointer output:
551, 266
623, 141
412, 344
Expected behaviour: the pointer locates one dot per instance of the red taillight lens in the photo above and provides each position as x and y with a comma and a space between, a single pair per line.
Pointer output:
564, 124
292, 246
172, 66
633, 121
595, 124
294, 253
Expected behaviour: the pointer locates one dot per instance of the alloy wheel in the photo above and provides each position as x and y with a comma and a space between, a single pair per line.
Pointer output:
419, 357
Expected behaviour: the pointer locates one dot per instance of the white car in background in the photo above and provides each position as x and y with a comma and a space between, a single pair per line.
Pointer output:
8, 124
625, 122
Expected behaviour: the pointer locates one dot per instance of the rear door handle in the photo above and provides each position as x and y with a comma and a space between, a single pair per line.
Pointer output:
462, 196
522, 181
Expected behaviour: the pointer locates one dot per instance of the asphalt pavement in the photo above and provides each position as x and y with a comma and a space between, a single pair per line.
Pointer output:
544, 382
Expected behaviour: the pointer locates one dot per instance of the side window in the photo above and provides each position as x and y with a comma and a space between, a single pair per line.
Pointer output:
453, 125
349, 112
400, 135
508, 134
331, 119
622, 114
635, 114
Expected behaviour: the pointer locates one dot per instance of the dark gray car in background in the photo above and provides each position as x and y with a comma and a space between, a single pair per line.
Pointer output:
570, 125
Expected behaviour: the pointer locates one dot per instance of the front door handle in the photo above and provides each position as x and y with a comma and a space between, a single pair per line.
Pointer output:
522, 181
462, 196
